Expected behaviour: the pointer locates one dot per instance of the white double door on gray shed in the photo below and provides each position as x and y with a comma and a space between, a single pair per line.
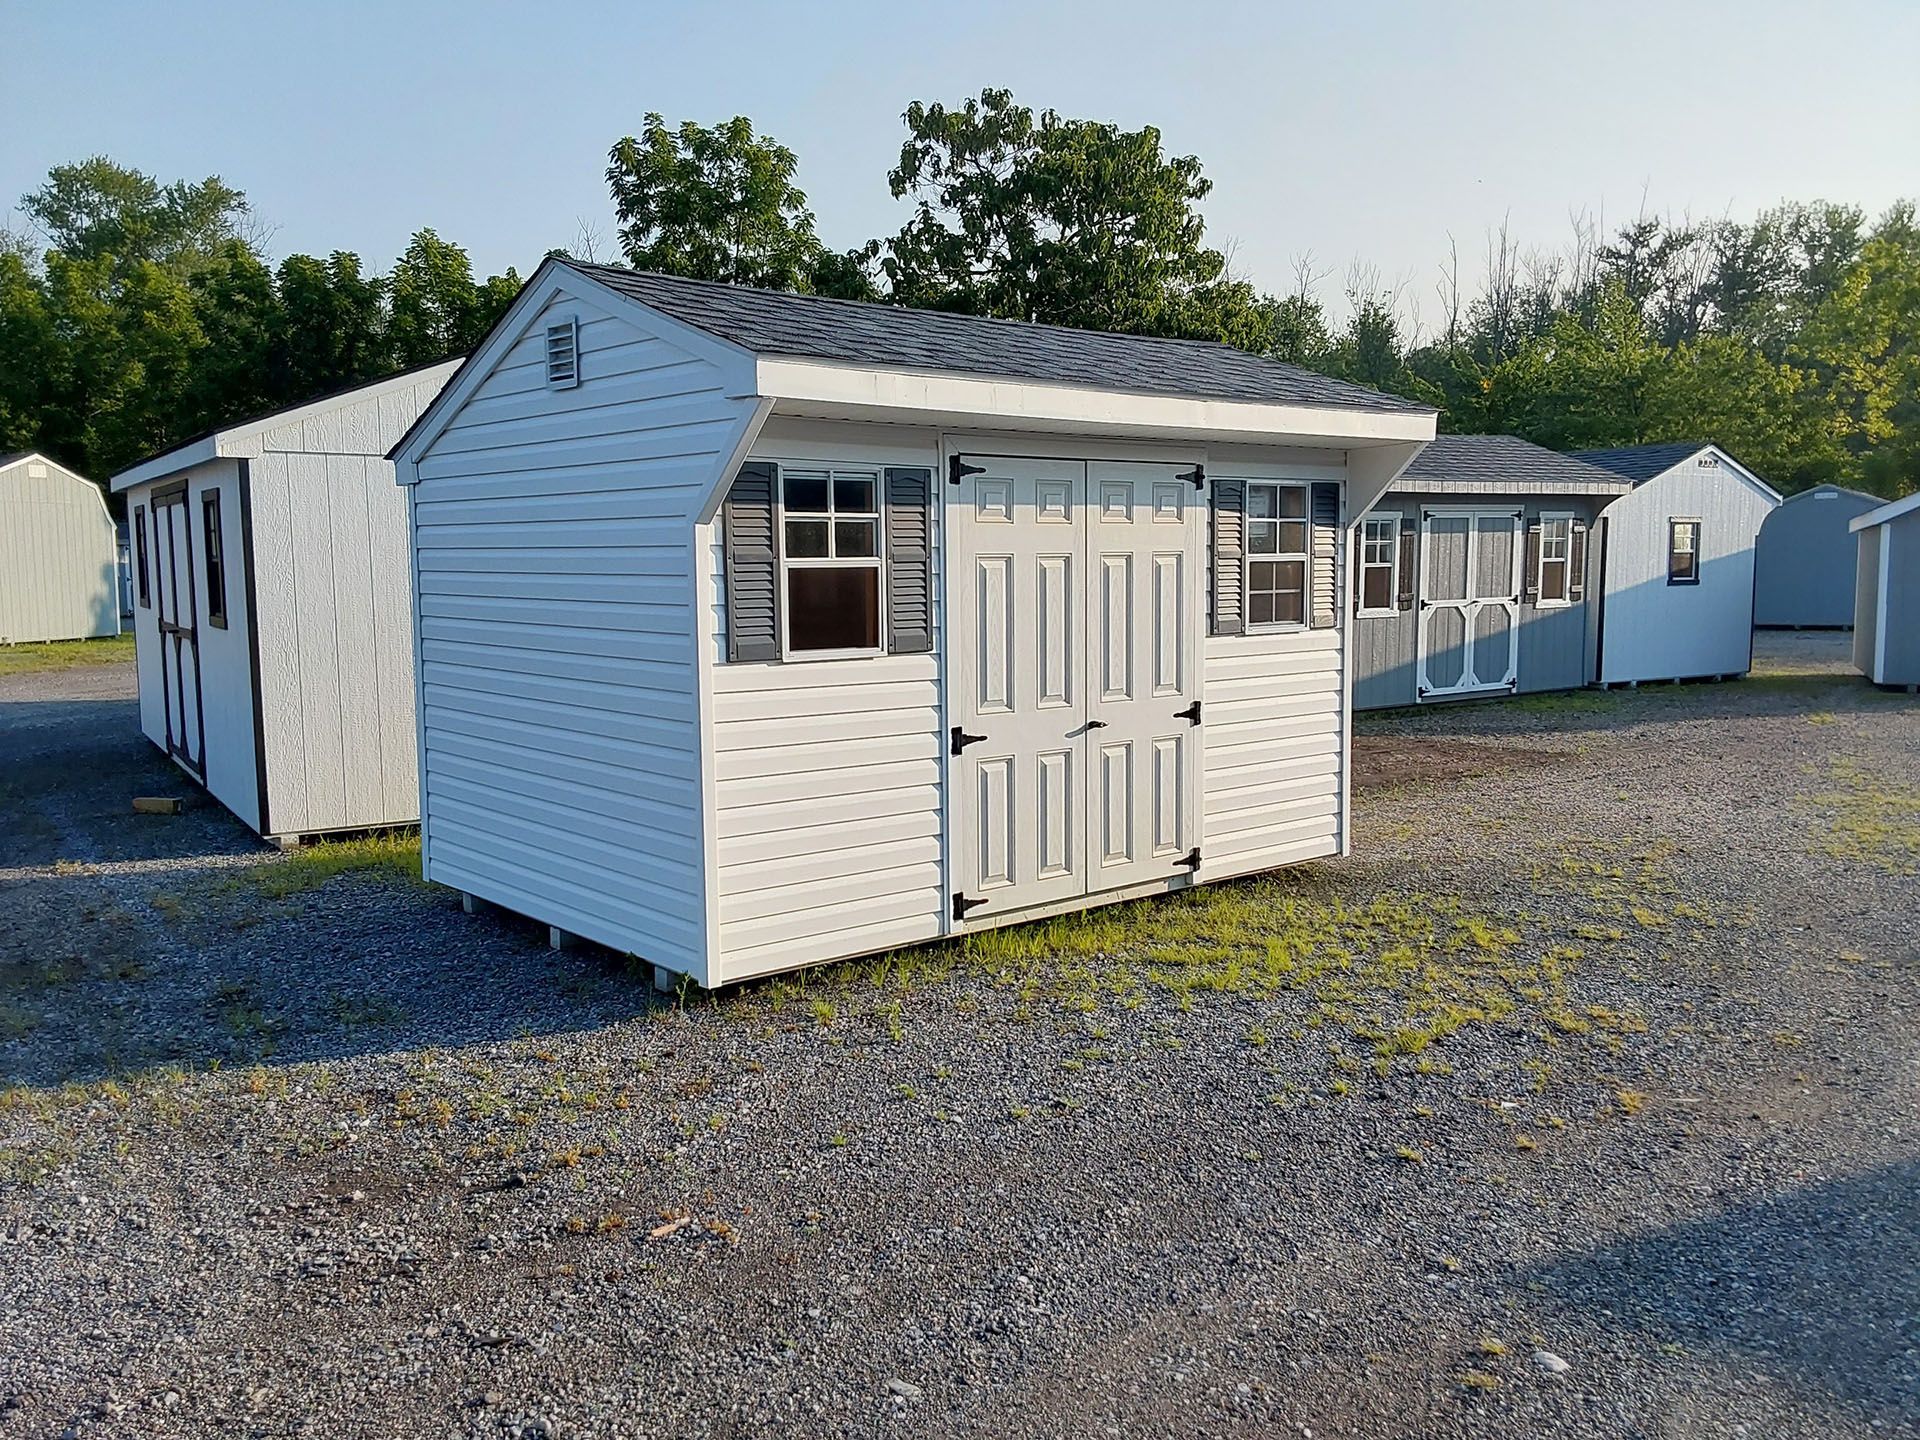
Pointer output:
1470, 580
1074, 678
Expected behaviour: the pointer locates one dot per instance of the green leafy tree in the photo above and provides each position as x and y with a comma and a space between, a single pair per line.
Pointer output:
1073, 222
238, 310
97, 209
437, 309
331, 325
719, 203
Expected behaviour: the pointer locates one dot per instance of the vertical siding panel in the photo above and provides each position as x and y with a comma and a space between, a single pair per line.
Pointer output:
356, 661
58, 568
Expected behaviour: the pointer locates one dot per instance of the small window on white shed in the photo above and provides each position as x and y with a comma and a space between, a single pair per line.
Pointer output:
563, 355
830, 561
1683, 552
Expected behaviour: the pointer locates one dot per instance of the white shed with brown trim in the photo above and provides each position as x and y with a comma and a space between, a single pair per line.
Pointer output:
759, 630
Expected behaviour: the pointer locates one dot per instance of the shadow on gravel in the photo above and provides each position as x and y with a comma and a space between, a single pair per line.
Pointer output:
1816, 1287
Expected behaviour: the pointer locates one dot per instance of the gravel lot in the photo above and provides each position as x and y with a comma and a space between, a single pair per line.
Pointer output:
1583, 1101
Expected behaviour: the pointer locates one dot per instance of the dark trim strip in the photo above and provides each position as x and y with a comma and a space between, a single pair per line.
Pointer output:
253, 644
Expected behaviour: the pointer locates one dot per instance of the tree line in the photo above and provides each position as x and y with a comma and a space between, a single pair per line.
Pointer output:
143, 313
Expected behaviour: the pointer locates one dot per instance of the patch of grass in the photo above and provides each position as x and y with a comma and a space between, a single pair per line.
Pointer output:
64, 654
1869, 819
393, 856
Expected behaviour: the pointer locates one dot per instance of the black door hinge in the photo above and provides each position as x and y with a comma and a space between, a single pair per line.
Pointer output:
958, 470
1198, 475
961, 904
1191, 714
1192, 858
961, 740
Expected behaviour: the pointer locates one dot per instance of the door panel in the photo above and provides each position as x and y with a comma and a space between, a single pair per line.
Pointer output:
1073, 666
176, 609
1469, 630
1017, 678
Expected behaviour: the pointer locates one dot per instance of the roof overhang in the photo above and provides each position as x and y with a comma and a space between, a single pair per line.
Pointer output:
830, 390
1507, 489
1887, 512
243, 440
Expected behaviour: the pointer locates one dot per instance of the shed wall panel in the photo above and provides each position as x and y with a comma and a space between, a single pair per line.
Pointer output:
1866, 601
1900, 645
1804, 559
553, 539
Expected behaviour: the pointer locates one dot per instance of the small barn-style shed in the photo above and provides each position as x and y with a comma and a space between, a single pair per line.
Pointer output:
57, 575
1678, 557
1803, 562
1886, 624
1471, 576
758, 630
273, 628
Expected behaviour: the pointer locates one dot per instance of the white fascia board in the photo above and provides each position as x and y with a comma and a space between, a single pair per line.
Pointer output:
242, 441
828, 390
1892, 511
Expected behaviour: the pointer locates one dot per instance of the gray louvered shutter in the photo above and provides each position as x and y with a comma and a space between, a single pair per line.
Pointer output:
909, 560
1577, 562
753, 564
1324, 511
1409, 560
1530, 576
1229, 557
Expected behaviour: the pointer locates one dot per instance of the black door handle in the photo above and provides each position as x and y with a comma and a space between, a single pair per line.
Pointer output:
961, 739
1096, 724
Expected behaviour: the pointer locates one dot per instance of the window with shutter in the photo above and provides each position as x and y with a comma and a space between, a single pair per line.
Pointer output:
1278, 538
1377, 578
1683, 552
1530, 573
1577, 564
1552, 537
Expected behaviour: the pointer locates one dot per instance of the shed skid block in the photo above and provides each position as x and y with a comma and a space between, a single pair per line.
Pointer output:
664, 980
562, 939
473, 904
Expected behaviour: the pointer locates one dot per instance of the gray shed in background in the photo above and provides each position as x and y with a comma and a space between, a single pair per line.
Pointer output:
1471, 576
58, 575
1803, 562
1886, 625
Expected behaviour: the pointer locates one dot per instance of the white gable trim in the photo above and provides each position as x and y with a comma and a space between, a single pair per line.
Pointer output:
1887, 512
242, 441
554, 281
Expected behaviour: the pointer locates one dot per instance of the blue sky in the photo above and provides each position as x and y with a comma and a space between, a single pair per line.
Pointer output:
1343, 131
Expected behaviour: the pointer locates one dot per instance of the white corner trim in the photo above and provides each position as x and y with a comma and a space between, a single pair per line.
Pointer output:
1893, 510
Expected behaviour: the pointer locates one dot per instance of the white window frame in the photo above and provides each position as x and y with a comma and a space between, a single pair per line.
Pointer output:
1391, 519
1674, 522
1565, 562
1305, 556
876, 562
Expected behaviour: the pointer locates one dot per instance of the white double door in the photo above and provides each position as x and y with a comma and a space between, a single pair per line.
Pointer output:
1470, 578
1074, 673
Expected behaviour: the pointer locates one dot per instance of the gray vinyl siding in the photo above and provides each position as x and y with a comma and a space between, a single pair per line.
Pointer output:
1556, 648
1804, 559
59, 571
553, 547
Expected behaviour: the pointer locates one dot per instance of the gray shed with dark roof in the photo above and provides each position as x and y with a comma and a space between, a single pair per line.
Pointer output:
1472, 574
759, 630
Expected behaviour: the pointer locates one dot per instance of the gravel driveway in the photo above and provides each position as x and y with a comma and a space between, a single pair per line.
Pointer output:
1582, 1101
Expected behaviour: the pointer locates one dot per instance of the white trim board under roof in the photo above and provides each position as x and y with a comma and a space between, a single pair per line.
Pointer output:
848, 360
1893, 510
241, 438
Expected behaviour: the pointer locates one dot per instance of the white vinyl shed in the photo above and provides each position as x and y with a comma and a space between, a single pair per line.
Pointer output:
1677, 564
57, 566
272, 611
759, 630
1886, 626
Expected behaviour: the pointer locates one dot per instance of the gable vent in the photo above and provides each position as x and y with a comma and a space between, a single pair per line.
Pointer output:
563, 355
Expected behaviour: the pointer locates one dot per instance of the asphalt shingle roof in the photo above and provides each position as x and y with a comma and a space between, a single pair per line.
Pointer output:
1460, 461
1466, 458
770, 322
1640, 463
